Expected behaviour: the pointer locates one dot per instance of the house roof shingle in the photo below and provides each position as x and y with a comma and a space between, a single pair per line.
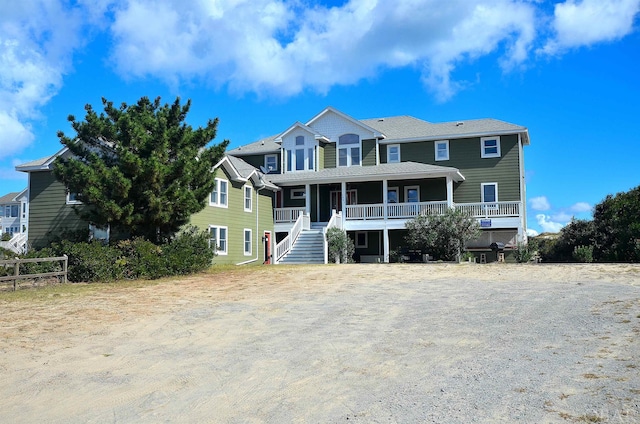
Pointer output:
365, 173
8, 198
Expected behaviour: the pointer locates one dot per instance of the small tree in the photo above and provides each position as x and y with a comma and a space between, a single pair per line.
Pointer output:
139, 168
444, 235
341, 247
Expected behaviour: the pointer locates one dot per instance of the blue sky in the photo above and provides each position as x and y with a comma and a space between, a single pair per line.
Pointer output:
567, 70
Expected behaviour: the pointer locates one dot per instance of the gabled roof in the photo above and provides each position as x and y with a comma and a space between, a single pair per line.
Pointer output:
408, 128
9, 197
361, 124
264, 146
316, 135
240, 171
366, 173
42, 164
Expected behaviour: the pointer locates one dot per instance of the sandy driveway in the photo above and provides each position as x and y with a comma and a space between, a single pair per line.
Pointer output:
332, 344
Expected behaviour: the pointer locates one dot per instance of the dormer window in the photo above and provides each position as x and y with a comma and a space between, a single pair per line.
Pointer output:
301, 156
349, 150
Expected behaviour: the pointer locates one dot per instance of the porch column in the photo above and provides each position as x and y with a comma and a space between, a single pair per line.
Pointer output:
449, 191
385, 235
343, 196
307, 199
385, 189
318, 203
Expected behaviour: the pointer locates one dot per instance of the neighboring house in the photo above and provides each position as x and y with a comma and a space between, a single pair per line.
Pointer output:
379, 173
14, 216
275, 198
237, 215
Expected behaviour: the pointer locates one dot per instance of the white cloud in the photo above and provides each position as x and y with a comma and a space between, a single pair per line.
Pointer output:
583, 23
532, 233
581, 207
547, 225
277, 47
539, 203
37, 39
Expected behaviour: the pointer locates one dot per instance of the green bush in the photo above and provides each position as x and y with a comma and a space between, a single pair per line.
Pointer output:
583, 254
142, 259
341, 247
189, 252
523, 253
90, 262
6, 237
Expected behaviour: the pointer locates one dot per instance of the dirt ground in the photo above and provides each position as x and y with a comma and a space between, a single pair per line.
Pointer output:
331, 344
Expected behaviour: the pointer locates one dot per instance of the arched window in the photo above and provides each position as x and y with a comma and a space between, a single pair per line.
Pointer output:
349, 150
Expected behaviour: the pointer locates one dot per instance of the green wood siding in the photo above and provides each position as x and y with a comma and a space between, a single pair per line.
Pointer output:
465, 155
431, 190
49, 215
321, 156
330, 155
368, 152
236, 219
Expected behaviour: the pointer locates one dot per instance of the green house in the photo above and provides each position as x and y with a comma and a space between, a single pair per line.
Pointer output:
370, 176
275, 198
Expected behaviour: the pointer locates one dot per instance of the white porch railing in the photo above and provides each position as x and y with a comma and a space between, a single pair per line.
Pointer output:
410, 210
17, 244
282, 248
287, 214
489, 210
395, 210
335, 221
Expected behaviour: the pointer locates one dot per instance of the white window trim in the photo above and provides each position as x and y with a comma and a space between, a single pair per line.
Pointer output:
366, 239
250, 198
389, 147
244, 241
276, 163
435, 146
72, 202
406, 193
218, 227
217, 203
482, 147
348, 146
482, 186
397, 190
293, 193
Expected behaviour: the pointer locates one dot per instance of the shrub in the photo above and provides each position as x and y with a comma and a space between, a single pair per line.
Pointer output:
6, 237
523, 253
341, 247
142, 259
583, 254
189, 252
90, 262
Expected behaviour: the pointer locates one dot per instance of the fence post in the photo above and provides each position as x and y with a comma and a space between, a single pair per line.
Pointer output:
16, 273
64, 267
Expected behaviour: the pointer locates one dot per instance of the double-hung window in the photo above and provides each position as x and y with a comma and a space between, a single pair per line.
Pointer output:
247, 242
442, 150
490, 147
349, 150
393, 153
489, 194
220, 195
271, 163
248, 192
73, 198
218, 239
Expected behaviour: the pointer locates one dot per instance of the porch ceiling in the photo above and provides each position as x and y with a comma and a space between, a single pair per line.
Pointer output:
402, 170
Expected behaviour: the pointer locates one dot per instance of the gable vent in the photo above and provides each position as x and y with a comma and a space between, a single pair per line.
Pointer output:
459, 123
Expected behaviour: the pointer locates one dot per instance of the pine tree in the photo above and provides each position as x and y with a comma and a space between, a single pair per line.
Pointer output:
139, 168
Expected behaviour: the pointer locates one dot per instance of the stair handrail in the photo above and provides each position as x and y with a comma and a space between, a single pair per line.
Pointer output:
334, 221
285, 245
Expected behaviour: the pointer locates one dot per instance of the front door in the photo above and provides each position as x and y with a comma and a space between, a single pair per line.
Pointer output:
336, 199
267, 247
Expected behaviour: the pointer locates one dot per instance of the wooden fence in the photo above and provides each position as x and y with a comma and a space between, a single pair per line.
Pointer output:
16, 269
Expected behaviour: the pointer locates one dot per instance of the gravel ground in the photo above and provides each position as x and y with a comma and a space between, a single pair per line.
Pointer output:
426, 343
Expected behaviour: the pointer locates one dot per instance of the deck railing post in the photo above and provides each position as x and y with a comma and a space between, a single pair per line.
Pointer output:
16, 272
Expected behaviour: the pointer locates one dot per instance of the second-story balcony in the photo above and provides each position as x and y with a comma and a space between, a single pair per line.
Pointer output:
377, 211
